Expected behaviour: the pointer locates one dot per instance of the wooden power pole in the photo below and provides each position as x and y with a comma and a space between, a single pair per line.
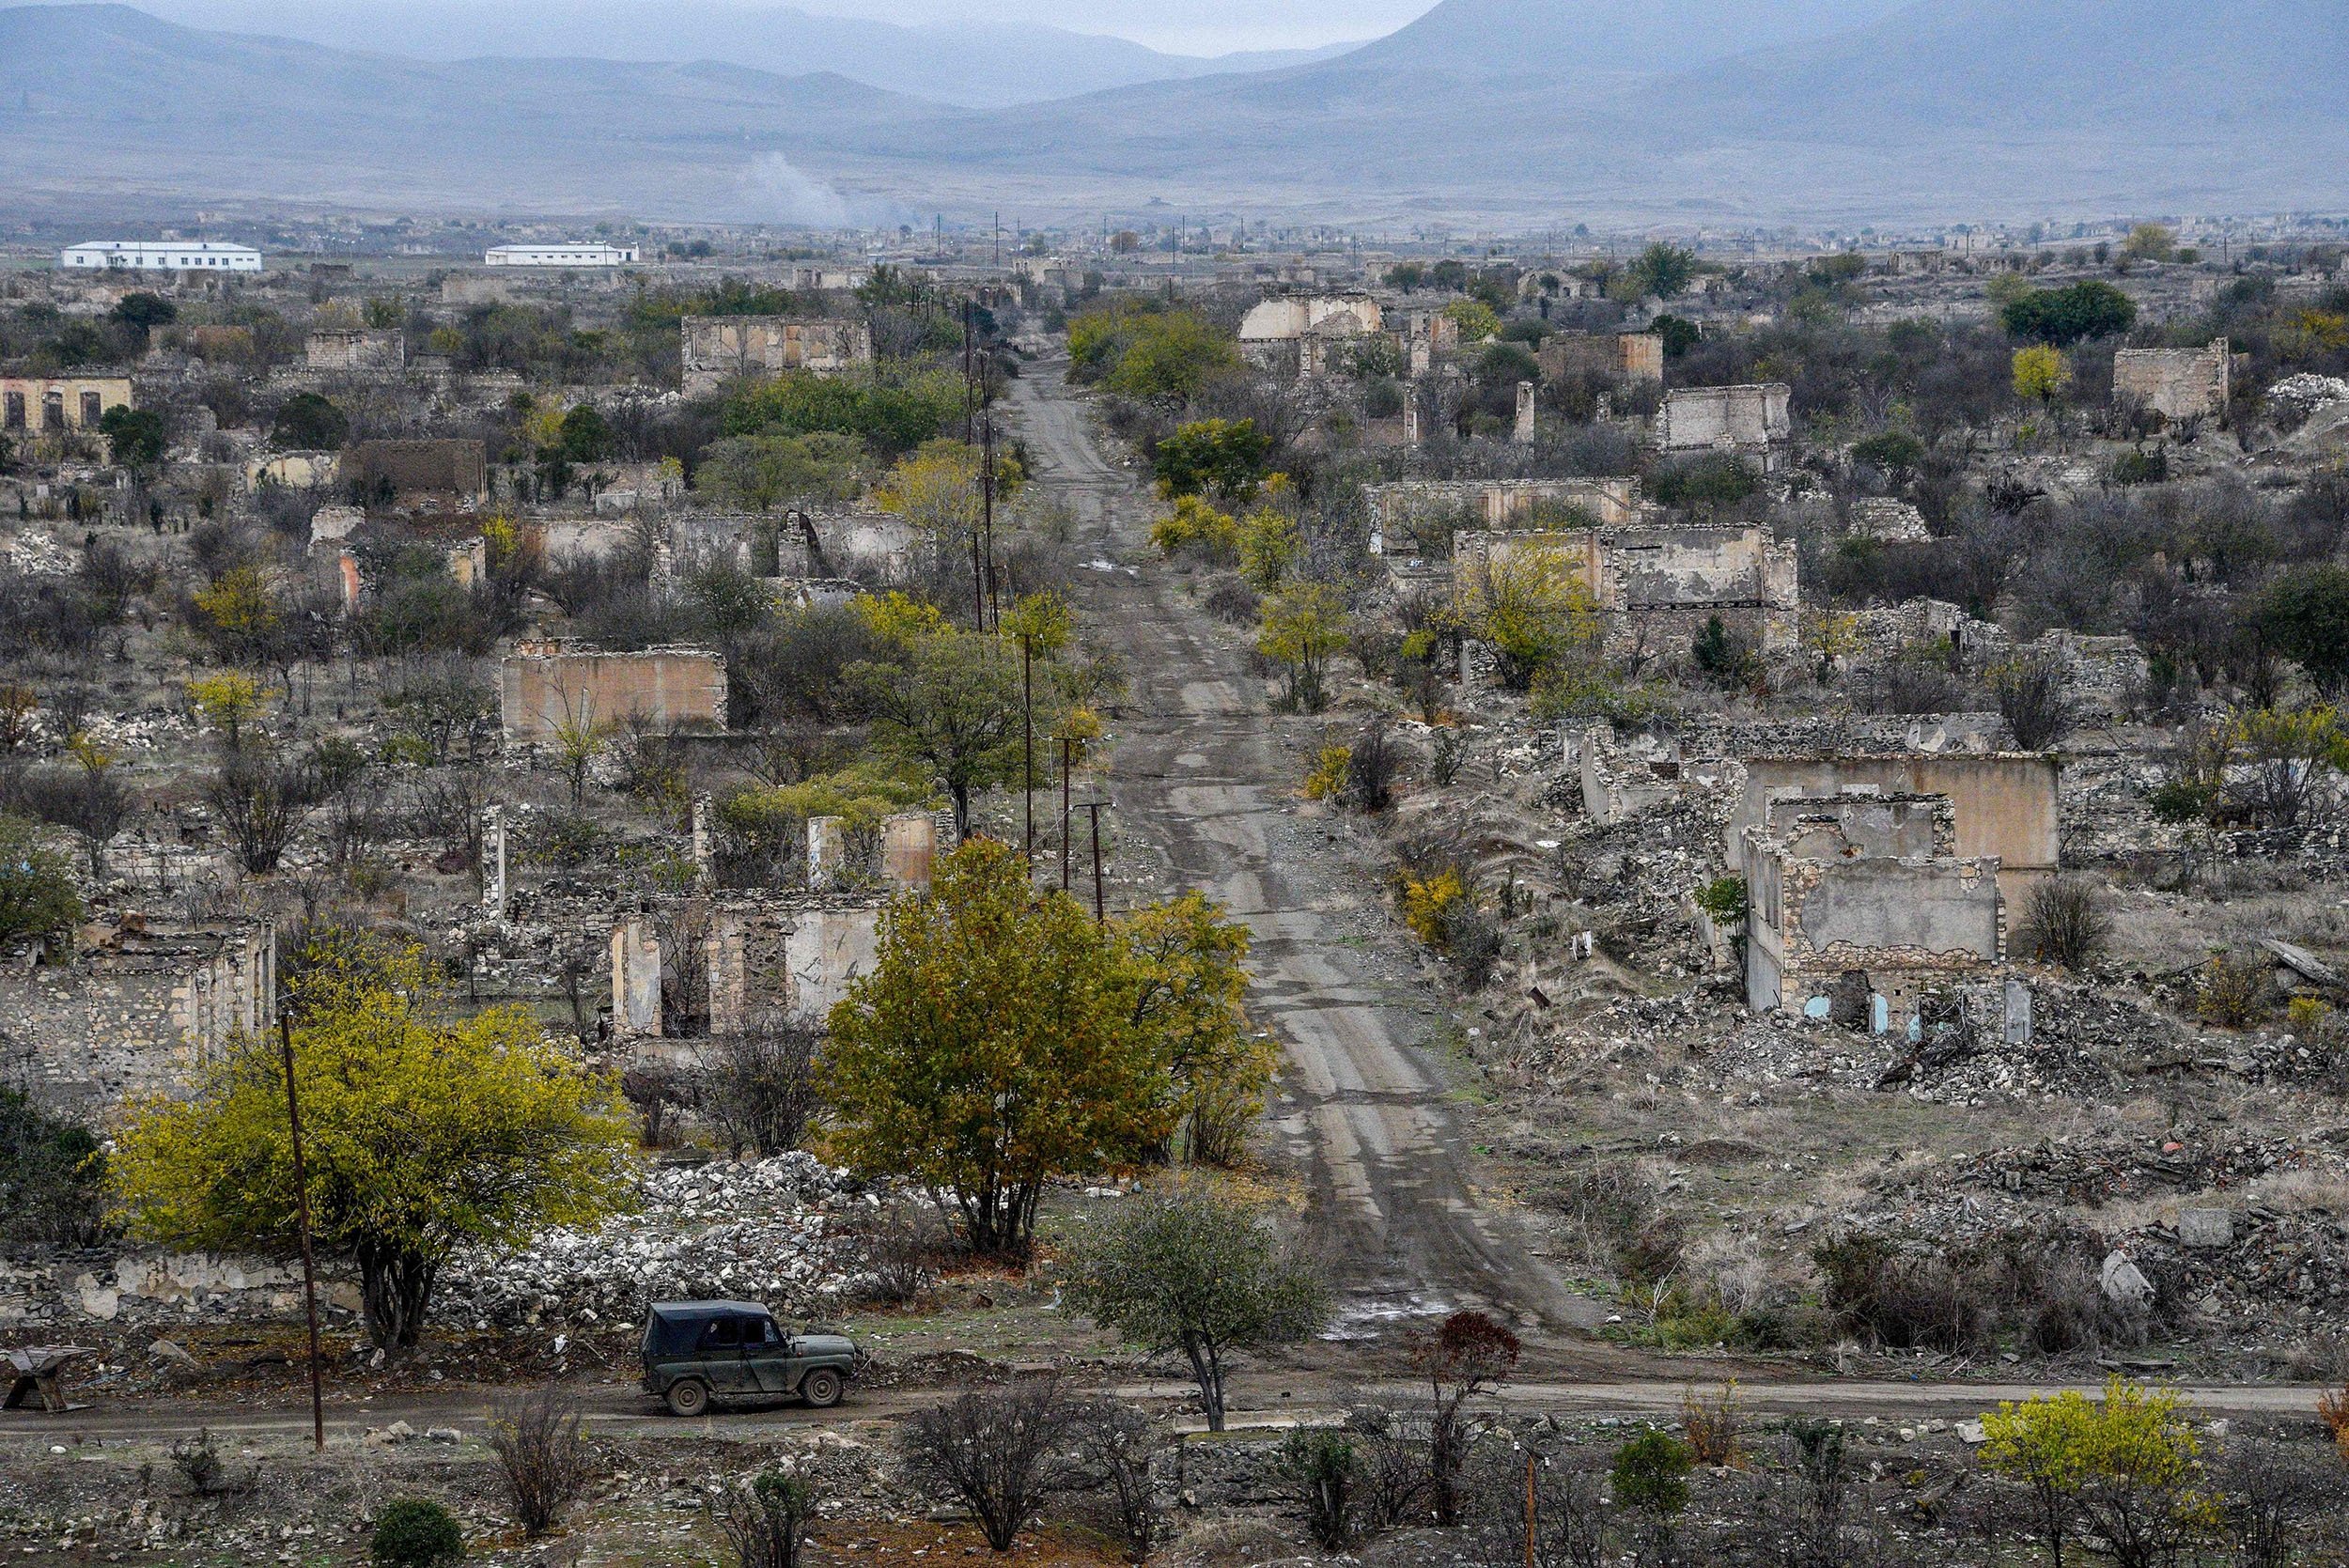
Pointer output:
302, 1211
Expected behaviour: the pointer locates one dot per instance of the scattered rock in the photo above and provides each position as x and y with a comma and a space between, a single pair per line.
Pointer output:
2206, 1229
2124, 1285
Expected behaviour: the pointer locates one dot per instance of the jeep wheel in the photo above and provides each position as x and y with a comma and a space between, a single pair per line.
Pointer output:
822, 1387
688, 1396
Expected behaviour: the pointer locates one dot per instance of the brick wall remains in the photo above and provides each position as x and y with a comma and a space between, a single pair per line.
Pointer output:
454, 470
541, 687
2176, 383
357, 349
1625, 356
722, 348
1745, 419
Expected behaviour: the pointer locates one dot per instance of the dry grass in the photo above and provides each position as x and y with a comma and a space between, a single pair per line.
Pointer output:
2301, 1192
911, 1545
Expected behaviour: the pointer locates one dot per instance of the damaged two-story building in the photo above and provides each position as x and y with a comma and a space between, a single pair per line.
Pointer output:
1874, 882
134, 1003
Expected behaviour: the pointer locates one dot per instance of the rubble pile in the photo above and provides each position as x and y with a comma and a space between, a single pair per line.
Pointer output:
2298, 397
770, 1232
2260, 1262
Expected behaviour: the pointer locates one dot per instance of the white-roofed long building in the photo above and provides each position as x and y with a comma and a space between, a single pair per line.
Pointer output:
161, 256
560, 256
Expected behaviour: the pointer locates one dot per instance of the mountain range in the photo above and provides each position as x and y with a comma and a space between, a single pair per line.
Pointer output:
1501, 112
970, 65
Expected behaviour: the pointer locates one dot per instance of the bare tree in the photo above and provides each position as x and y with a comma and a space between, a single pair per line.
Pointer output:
2063, 923
760, 1094
449, 807
1117, 1445
89, 803
541, 1455
2035, 701
2282, 1504
1002, 1453
262, 801
764, 1519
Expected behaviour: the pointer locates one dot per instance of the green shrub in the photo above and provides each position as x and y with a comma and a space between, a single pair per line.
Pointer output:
413, 1532
1320, 1467
1650, 1474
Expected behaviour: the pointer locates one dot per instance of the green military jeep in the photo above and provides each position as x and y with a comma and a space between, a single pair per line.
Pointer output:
695, 1349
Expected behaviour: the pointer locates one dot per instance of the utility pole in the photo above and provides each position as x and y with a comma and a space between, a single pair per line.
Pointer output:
1068, 755
1099, 912
1027, 750
302, 1209
970, 418
1529, 1511
987, 492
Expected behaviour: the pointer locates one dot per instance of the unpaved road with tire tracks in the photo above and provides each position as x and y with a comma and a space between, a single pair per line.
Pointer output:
1198, 777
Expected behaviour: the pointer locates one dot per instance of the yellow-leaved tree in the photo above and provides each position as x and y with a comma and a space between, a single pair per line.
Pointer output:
1531, 607
2041, 374
1186, 967
2127, 1469
1302, 630
422, 1133
993, 1046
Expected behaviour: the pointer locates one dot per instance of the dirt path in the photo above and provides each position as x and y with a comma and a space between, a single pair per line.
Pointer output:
1259, 1399
1199, 777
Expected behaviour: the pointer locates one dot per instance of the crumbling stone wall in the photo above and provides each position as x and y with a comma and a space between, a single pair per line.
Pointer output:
357, 349
1752, 420
722, 348
1880, 826
145, 1287
1498, 502
1621, 780
1290, 318
2101, 673
2176, 383
542, 687
140, 1004
452, 470
1625, 356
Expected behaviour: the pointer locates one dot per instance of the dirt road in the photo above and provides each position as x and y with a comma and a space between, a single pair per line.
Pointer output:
1259, 1399
1199, 780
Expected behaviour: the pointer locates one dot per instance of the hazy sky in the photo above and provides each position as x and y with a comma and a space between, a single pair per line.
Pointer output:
1187, 26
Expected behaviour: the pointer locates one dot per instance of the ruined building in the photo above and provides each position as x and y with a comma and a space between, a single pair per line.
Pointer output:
1754, 422
2003, 804
1656, 584
736, 959
722, 349
1627, 357
139, 1003
357, 349
2176, 383
1297, 337
1859, 905
1403, 516
415, 472
544, 686
53, 405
